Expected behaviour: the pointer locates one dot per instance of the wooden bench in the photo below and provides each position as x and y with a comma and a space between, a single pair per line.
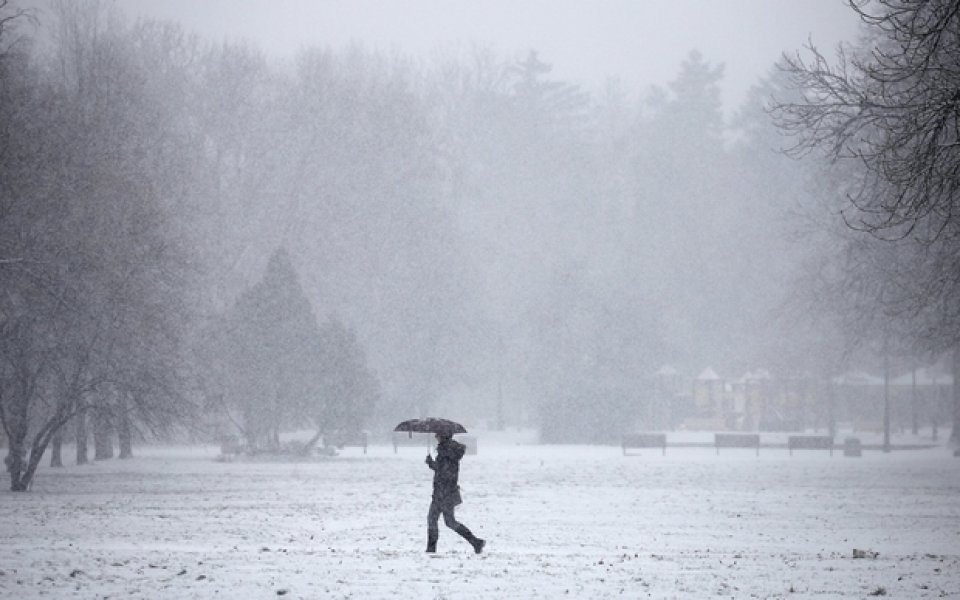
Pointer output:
644, 440
339, 439
737, 440
810, 442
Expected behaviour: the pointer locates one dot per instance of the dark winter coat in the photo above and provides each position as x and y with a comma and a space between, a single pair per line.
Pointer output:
446, 472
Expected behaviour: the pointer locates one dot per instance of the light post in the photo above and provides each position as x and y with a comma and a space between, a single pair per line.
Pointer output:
886, 396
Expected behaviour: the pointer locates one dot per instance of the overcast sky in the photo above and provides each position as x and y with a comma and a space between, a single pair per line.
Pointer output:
642, 42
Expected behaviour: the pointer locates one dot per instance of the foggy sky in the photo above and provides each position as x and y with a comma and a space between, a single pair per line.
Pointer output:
656, 257
641, 42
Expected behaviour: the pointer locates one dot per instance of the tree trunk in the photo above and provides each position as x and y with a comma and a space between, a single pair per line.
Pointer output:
16, 465
56, 455
36, 455
275, 420
16, 422
955, 434
56, 451
123, 429
914, 410
81, 431
831, 407
20, 467
102, 435
28, 468
886, 398
250, 436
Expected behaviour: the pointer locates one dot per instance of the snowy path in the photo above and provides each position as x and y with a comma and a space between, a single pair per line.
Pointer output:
579, 522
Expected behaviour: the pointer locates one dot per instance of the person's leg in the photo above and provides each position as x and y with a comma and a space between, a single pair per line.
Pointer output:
451, 522
433, 532
448, 518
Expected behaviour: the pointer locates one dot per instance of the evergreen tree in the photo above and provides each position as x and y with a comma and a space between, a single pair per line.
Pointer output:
686, 211
349, 389
261, 355
270, 366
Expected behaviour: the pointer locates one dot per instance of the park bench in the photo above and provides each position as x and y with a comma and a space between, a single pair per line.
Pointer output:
737, 440
340, 439
810, 442
644, 440
852, 447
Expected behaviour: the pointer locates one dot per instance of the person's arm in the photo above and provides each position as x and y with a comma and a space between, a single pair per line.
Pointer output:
431, 463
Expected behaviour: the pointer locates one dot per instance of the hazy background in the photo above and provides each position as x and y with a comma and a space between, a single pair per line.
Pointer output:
639, 43
503, 212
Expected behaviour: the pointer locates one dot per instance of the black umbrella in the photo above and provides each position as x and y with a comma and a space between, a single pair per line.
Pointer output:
430, 425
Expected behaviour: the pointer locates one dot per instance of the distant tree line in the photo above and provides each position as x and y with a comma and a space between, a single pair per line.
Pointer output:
479, 224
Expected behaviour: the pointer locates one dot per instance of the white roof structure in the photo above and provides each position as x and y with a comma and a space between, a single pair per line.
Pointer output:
667, 371
708, 374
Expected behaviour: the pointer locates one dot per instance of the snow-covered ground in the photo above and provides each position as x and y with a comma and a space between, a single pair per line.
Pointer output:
562, 521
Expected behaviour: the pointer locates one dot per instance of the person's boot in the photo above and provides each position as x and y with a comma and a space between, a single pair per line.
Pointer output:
476, 542
432, 541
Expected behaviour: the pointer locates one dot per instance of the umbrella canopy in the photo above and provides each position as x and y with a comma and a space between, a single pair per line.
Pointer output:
430, 425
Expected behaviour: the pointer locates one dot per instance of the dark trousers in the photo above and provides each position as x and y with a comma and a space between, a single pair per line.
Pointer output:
433, 516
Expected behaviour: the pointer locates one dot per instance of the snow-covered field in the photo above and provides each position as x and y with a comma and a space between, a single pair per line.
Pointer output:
561, 521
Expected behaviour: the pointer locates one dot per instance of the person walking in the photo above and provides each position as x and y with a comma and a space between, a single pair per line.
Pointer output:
446, 492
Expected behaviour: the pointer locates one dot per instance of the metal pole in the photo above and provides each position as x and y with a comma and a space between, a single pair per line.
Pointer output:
886, 396
914, 416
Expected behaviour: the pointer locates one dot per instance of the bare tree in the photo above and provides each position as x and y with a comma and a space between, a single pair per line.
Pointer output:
891, 108
94, 310
9, 18
893, 105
